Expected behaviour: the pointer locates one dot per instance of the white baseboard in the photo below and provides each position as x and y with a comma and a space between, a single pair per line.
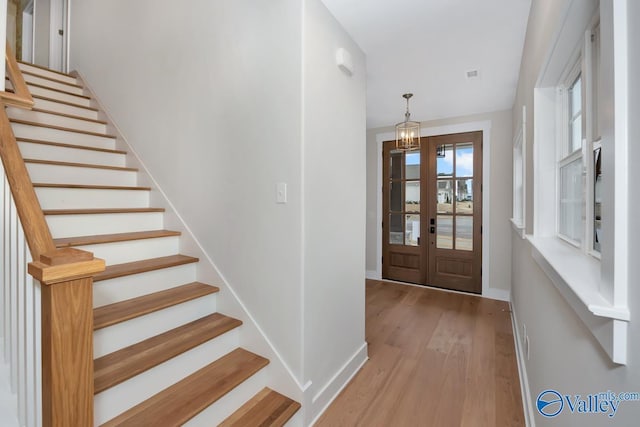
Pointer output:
372, 274
498, 294
525, 389
334, 386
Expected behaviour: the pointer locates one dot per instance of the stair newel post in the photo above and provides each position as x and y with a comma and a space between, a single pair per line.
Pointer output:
66, 277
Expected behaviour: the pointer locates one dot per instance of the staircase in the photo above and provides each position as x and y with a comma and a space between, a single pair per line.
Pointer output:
163, 356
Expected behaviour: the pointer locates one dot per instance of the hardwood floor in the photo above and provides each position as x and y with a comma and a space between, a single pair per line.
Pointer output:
436, 359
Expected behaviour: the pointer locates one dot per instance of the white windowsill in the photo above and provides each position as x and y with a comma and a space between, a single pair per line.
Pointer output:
518, 227
576, 272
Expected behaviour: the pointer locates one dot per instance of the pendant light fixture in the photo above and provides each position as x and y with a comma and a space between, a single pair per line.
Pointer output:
408, 132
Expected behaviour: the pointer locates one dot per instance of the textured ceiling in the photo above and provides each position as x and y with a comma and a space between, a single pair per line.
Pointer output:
427, 46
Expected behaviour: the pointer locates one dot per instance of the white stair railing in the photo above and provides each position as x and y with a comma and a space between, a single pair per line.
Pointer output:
21, 315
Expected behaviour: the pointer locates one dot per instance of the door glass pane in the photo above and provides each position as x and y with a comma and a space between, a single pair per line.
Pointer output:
395, 192
412, 196
445, 196
464, 196
396, 164
444, 160
395, 229
412, 165
464, 233
412, 233
464, 159
444, 232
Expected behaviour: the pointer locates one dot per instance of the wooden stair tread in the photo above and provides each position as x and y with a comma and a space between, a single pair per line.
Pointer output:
268, 408
69, 116
75, 146
119, 366
79, 165
135, 267
51, 79
46, 98
44, 68
90, 187
62, 128
53, 89
99, 211
112, 238
185, 399
112, 314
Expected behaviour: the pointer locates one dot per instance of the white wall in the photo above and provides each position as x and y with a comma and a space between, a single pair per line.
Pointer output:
334, 207
209, 95
499, 146
41, 24
222, 101
564, 355
3, 30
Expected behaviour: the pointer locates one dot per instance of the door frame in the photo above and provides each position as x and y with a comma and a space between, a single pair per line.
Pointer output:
485, 127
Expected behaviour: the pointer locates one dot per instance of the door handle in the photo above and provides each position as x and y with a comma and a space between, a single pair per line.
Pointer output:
432, 230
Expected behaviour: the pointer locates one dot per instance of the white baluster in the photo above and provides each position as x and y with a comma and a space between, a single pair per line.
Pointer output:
22, 330
20, 337
6, 276
3, 291
13, 286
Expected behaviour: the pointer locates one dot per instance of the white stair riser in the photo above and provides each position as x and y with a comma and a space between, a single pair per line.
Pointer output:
47, 73
123, 288
112, 338
56, 120
82, 198
63, 136
37, 151
59, 174
89, 224
31, 79
66, 97
135, 250
118, 399
59, 107
227, 405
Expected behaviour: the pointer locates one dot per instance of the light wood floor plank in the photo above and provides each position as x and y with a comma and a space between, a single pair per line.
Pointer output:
437, 359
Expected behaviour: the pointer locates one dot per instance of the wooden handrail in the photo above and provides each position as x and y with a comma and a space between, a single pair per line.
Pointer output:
21, 97
37, 232
66, 276
36, 229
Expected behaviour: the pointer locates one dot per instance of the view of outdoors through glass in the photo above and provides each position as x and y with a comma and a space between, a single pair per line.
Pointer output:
454, 196
404, 193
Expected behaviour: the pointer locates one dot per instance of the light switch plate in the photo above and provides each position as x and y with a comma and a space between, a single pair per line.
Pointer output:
281, 192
